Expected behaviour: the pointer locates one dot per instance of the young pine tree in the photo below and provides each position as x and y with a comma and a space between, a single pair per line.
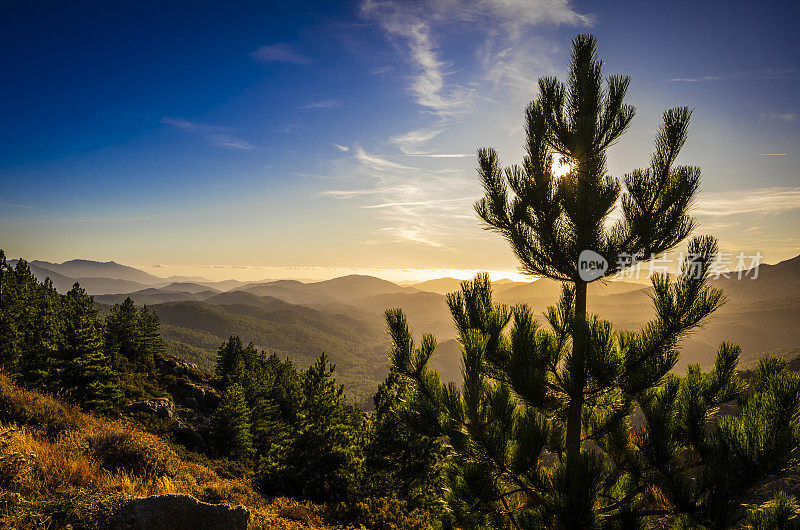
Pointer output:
84, 370
123, 337
579, 425
399, 462
231, 424
323, 460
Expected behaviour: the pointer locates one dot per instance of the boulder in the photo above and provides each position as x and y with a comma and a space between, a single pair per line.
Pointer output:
160, 407
198, 397
178, 368
179, 512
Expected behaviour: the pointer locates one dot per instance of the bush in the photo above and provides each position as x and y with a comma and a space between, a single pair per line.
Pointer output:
119, 448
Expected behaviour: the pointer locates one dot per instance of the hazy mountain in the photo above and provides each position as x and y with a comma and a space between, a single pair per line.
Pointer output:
449, 285
189, 287
81, 268
357, 286
439, 285
60, 282
93, 286
344, 316
772, 281
426, 312
154, 295
290, 290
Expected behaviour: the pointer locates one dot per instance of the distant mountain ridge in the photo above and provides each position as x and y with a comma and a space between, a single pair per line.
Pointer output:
81, 268
344, 316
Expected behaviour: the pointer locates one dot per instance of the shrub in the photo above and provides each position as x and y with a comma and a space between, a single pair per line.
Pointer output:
119, 448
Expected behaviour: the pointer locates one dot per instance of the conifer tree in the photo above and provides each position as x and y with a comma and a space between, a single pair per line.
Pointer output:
133, 337
123, 334
44, 339
150, 339
323, 459
84, 370
399, 462
231, 424
541, 432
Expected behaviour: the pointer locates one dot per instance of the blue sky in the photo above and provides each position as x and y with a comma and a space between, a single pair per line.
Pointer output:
295, 139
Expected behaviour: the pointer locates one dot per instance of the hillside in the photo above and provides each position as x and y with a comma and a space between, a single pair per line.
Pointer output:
358, 347
63, 468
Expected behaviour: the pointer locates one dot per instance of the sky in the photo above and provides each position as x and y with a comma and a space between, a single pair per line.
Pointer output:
297, 139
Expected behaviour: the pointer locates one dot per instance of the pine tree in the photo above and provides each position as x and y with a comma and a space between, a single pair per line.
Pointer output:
123, 337
541, 432
324, 458
150, 341
231, 424
41, 355
84, 370
398, 461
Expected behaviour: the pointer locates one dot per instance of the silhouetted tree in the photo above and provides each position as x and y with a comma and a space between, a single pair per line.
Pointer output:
541, 432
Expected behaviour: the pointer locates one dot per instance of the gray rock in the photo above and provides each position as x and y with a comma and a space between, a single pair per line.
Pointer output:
179, 368
161, 407
179, 512
197, 397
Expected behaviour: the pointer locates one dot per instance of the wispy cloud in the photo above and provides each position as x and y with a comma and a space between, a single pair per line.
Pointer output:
324, 104
342, 147
759, 201
400, 21
504, 55
106, 220
14, 205
280, 52
429, 201
785, 116
215, 135
376, 162
411, 141
768, 73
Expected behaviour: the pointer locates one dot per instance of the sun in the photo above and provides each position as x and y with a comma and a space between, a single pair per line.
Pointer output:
561, 166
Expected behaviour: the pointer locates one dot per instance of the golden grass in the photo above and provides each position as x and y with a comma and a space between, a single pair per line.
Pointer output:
59, 466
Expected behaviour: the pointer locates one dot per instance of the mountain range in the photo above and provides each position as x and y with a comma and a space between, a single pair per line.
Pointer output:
344, 316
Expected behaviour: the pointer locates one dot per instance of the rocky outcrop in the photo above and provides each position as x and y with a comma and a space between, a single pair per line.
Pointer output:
178, 368
197, 397
160, 407
179, 512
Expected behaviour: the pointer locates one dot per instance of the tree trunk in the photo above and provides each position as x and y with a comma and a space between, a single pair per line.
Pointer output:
576, 400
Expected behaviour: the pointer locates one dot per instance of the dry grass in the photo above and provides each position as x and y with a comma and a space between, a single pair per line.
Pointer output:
59, 466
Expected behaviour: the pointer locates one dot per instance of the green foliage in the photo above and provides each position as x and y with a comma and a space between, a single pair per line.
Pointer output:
399, 461
134, 337
84, 371
286, 330
541, 433
505, 428
324, 456
779, 514
54, 342
231, 424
